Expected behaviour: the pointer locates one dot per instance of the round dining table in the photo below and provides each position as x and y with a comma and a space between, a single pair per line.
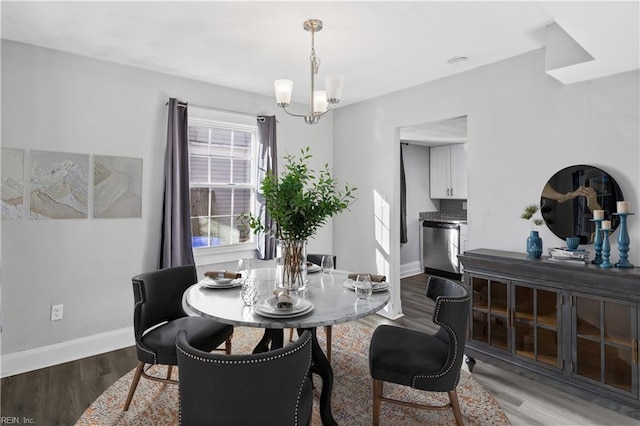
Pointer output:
329, 293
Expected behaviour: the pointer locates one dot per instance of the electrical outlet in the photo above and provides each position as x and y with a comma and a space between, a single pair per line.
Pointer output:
56, 312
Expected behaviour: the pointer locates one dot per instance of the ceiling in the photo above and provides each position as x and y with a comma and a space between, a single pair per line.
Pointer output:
379, 47
442, 132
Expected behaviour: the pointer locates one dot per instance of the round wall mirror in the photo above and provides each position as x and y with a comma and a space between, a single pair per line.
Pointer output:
569, 198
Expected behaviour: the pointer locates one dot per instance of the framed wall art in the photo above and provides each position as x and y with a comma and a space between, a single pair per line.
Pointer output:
117, 187
58, 186
12, 189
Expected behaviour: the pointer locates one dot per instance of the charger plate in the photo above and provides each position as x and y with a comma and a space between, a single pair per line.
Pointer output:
376, 287
209, 282
268, 308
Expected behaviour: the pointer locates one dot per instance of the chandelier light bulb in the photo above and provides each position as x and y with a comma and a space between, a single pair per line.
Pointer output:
284, 88
320, 103
334, 85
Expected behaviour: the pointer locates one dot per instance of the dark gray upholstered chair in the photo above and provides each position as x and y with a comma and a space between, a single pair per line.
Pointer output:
316, 259
158, 303
420, 360
269, 388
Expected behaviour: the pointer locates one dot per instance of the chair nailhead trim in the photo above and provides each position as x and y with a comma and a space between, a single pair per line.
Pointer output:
296, 419
140, 302
256, 361
246, 361
455, 342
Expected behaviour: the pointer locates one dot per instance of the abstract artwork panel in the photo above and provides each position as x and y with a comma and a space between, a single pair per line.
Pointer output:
58, 185
117, 187
12, 188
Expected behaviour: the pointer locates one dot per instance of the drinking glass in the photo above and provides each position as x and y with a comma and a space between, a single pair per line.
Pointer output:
250, 291
244, 268
363, 286
327, 264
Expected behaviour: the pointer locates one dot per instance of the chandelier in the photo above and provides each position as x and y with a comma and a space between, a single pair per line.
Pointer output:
321, 100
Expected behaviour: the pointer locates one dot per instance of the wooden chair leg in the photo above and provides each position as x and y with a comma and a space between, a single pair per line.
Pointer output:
455, 405
377, 395
169, 370
227, 345
134, 385
327, 331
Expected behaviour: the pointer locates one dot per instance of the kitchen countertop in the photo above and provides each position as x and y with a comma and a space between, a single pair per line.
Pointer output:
439, 217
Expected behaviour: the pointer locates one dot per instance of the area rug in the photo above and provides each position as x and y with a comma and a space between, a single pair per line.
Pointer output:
155, 404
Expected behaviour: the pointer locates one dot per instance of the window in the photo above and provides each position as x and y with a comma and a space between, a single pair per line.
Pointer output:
222, 178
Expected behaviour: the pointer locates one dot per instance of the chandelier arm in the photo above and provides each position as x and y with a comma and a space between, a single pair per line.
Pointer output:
329, 108
284, 107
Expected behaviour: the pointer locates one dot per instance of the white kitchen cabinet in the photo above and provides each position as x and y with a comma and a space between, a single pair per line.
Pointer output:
448, 171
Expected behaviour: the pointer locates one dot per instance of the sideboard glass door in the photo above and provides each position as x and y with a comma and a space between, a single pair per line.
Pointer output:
490, 320
537, 324
606, 342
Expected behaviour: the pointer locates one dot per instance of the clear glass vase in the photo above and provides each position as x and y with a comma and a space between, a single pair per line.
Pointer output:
291, 264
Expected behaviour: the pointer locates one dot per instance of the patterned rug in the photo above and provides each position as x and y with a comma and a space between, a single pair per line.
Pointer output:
155, 404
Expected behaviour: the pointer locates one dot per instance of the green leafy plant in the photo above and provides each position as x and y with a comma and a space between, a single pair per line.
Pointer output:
528, 213
299, 201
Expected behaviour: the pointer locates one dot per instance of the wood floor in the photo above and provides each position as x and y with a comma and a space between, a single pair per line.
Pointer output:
59, 395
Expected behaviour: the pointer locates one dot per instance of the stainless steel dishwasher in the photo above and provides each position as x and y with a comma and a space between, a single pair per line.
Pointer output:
440, 247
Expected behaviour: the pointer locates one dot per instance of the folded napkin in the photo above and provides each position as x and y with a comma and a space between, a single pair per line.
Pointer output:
222, 274
374, 278
283, 299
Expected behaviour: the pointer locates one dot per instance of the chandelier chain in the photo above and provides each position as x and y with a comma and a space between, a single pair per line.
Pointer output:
314, 58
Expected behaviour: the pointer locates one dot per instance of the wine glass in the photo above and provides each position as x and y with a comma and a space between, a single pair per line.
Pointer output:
327, 264
363, 286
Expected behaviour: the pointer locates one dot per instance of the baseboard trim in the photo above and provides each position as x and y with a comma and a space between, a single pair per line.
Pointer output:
46, 356
410, 269
390, 315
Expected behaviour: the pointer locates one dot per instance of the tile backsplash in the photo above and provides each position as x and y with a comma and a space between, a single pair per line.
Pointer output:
449, 209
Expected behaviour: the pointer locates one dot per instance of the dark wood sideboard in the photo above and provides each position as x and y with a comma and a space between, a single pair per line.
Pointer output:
576, 323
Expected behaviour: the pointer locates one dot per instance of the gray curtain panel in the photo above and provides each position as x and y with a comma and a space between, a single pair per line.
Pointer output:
267, 163
403, 202
175, 240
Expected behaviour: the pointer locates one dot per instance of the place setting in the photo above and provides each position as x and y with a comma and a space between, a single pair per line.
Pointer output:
221, 280
312, 268
283, 305
366, 284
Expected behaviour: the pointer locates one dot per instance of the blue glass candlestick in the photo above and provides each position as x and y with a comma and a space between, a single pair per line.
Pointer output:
623, 242
597, 242
606, 249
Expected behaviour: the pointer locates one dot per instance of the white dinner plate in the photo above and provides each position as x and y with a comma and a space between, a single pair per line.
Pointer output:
376, 287
313, 268
268, 308
209, 282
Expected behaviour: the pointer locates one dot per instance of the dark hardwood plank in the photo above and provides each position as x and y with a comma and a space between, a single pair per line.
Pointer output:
59, 395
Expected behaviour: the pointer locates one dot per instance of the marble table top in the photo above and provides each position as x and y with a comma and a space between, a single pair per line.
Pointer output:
333, 303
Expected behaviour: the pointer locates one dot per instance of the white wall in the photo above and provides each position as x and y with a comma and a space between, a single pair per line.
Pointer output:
60, 102
416, 167
523, 126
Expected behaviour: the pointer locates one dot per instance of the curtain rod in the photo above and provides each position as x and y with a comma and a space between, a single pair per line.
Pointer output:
185, 104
